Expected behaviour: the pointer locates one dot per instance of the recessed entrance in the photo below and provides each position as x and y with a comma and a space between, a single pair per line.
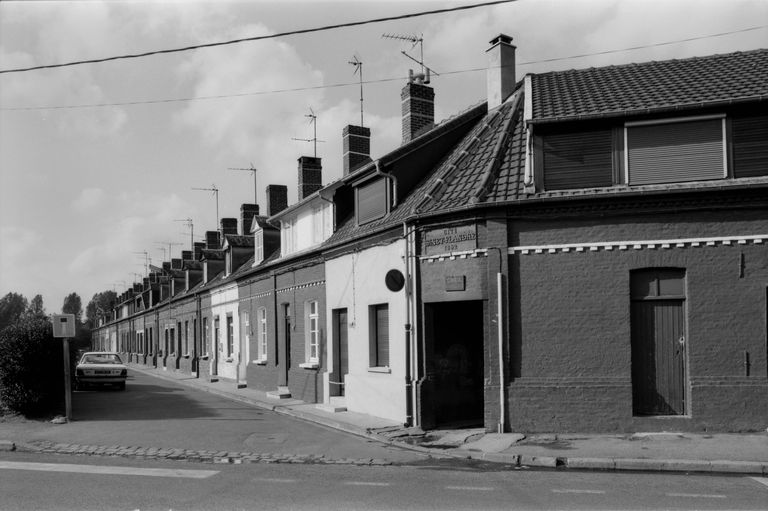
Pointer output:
454, 335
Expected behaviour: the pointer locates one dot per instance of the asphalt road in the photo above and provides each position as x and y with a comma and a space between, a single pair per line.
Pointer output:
42, 482
155, 412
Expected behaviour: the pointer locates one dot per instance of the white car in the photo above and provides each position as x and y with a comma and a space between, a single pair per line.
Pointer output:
100, 368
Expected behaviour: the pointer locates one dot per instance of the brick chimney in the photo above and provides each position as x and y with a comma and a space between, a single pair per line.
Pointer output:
175, 264
247, 212
229, 226
357, 147
199, 246
501, 70
212, 240
310, 176
186, 255
277, 199
418, 106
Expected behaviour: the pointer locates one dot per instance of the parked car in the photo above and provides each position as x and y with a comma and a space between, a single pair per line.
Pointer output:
100, 368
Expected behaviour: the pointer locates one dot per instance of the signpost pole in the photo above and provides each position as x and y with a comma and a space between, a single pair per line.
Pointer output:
67, 381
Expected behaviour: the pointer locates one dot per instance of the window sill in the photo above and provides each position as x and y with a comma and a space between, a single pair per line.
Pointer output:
383, 370
260, 362
310, 365
185, 355
229, 359
204, 357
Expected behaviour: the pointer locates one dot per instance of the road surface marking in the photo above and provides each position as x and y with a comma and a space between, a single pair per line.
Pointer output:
273, 480
596, 492
364, 483
696, 495
761, 480
470, 488
101, 469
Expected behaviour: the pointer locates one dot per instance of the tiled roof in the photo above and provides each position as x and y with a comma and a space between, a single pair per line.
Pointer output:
650, 86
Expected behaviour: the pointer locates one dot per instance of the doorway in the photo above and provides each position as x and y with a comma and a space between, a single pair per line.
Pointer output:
340, 352
658, 342
287, 326
455, 335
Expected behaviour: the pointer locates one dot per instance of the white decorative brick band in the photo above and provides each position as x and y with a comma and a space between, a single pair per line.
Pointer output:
301, 286
464, 254
639, 245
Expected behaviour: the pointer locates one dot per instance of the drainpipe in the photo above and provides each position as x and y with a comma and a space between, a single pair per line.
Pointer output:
408, 333
500, 328
379, 172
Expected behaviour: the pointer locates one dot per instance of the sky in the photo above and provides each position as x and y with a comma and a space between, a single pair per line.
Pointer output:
85, 191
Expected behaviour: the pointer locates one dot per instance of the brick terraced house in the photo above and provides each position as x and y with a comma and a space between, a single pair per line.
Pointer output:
584, 251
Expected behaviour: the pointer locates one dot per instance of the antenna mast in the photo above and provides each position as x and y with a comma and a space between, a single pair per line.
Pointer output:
359, 67
313, 122
414, 39
255, 189
216, 193
147, 260
188, 223
170, 248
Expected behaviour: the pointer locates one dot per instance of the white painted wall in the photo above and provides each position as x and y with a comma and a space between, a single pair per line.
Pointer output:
224, 300
355, 282
307, 227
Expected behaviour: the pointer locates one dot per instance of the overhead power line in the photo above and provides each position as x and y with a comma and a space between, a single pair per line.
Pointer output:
257, 38
380, 80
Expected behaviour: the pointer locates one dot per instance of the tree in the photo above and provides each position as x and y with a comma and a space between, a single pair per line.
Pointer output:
101, 303
73, 305
36, 307
12, 306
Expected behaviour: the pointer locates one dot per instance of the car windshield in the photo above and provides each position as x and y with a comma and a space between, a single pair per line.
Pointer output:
101, 358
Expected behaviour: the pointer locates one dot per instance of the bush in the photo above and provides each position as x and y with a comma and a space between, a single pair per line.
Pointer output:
31, 367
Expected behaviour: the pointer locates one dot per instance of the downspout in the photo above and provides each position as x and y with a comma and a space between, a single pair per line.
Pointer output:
379, 172
500, 329
408, 333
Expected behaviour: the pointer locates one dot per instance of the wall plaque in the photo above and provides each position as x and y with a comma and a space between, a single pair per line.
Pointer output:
449, 239
455, 282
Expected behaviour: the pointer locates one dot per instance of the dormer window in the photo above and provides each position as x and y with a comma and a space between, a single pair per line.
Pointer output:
371, 200
228, 263
675, 150
258, 246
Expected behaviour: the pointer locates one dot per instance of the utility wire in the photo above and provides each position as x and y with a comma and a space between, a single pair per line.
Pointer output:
257, 38
380, 80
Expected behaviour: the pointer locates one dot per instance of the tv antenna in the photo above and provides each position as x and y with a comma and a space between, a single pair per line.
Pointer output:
424, 76
255, 189
313, 122
147, 260
170, 248
188, 223
359, 67
136, 276
216, 193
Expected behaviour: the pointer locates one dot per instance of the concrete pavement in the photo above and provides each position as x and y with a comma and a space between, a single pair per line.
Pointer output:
673, 452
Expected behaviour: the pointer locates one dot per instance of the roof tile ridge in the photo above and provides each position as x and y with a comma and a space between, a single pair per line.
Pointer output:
435, 190
491, 170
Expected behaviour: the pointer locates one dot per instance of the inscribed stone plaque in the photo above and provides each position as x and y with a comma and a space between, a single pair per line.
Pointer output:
449, 239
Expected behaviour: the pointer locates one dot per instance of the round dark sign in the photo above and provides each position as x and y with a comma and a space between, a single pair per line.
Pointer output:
394, 280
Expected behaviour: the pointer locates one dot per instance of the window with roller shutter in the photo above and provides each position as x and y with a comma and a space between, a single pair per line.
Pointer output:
379, 335
371, 200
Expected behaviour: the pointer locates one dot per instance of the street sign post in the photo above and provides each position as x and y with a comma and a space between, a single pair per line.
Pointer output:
64, 327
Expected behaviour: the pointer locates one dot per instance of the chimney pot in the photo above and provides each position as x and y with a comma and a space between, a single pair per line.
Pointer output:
501, 70
310, 176
247, 212
418, 108
357, 147
277, 199
229, 225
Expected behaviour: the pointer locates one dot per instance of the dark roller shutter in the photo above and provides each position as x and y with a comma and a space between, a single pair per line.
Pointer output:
380, 332
750, 146
578, 160
371, 201
676, 152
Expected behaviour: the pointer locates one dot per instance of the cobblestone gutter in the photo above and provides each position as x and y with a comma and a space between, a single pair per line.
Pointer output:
221, 457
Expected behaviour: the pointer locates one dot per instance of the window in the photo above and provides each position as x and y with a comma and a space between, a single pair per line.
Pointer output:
230, 336
205, 334
262, 335
180, 331
379, 335
172, 340
186, 337
258, 246
371, 200
675, 150
750, 152
313, 333
577, 160
288, 234
228, 262
195, 345
322, 222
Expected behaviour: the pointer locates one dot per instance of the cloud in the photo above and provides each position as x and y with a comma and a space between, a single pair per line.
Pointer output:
17, 244
89, 198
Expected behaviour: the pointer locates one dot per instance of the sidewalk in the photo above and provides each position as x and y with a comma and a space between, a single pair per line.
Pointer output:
672, 452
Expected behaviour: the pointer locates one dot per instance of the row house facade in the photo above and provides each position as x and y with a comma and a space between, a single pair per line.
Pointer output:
584, 250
